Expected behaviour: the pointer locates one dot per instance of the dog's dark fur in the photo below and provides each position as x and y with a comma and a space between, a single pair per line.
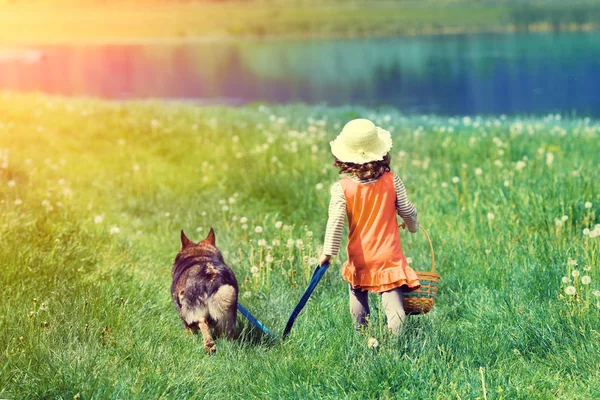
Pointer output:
204, 289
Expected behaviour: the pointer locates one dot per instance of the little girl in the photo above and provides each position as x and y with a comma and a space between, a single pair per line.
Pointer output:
370, 196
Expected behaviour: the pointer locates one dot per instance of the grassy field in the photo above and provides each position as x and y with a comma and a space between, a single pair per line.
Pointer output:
93, 195
41, 21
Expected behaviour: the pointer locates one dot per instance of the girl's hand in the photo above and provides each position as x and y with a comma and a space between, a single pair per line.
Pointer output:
324, 259
403, 225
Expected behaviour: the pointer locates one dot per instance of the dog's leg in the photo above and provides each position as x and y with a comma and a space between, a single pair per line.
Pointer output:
190, 328
209, 343
223, 308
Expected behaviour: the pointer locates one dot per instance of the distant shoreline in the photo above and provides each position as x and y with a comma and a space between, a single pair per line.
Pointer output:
29, 26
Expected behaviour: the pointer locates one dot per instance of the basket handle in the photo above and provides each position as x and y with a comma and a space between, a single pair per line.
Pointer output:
430, 246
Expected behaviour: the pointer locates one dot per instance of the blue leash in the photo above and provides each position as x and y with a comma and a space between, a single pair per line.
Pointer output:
314, 280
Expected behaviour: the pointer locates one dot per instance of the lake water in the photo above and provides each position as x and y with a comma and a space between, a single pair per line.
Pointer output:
524, 73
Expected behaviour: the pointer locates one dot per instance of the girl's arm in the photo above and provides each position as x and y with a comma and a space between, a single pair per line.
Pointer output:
404, 207
335, 223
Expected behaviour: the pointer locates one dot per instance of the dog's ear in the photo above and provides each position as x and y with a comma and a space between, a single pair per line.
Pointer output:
185, 242
211, 237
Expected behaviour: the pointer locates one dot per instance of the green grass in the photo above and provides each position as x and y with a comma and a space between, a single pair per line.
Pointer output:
41, 21
87, 313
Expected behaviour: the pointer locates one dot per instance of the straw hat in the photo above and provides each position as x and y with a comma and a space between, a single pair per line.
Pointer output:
361, 142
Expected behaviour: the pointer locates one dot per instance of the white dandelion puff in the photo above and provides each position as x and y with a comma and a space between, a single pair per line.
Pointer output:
586, 232
588, 204
254, 270
278, 224
372, 343
570, 290
566, 279
258, 229
564, 218
98, 219
12, 183
571, 262
586, 279
575, 273
587, 268
455, 179
269, 258
114, 230
262, 242
478, 171
319, 186
491, 216
18, 202
596, 293
247, 295
243, 220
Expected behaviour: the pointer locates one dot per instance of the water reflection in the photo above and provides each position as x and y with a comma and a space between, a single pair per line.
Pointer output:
518, 73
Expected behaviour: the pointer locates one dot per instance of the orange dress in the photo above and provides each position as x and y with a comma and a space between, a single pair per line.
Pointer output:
375, 259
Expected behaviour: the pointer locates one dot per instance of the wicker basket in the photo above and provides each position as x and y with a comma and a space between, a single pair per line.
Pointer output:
421, 300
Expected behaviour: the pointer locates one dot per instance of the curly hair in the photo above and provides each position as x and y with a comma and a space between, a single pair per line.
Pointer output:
367, 171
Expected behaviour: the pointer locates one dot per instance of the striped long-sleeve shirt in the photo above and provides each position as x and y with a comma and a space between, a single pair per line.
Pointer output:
337, 213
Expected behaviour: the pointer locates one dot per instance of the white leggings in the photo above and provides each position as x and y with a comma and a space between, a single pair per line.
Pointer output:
393, 307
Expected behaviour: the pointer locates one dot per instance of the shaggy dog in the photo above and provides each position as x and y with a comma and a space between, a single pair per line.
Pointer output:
204, 289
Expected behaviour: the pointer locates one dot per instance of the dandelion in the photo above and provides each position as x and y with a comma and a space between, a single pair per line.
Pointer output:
136, 168
566, 279
408, 260
491, 216
290, 243
203, 213
575, 273
586, 232
506, 183
262, 242
570, 290
444, 184
243, 220
115, 230
258, 229
455, 179
225, 208
254, 270
245, 227
269, 258
18, 202
478, 171
278, 224
287, 227
167, 214
558, 222
247, 295
520, 165
598, 304
276, 242
299, 244
98, 219
319, 186
62, 182
571, 262
588, 204
549, 159
312, 261
199, 229
586, 279
596, 293
587, 268
309, 233
372, 343
231, 200
564, 218
12, 183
